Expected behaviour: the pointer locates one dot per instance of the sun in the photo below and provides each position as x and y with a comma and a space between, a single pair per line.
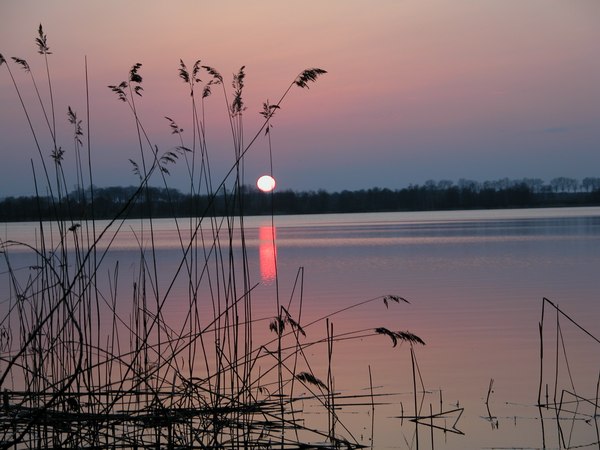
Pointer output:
266, 183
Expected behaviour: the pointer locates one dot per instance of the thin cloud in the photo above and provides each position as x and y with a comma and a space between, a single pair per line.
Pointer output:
558, 129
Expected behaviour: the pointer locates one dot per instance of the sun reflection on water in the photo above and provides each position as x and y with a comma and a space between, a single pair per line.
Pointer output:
267, 253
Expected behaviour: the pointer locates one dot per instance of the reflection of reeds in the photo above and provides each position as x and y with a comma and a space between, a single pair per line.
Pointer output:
492, 419
77, 369
432, 421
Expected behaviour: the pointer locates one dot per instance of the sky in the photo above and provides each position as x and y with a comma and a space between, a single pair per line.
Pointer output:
415, 89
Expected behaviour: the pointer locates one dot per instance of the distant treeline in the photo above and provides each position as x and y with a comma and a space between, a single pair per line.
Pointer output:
433, 195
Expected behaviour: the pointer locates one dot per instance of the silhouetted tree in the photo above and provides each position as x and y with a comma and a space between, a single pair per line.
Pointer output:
590, 184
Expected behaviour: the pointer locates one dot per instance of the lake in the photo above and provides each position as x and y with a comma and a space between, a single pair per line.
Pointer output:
474, 282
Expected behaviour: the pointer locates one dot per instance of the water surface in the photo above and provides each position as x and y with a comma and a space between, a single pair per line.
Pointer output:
475, 281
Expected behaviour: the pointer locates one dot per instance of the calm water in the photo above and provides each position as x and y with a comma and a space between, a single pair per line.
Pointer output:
475, 281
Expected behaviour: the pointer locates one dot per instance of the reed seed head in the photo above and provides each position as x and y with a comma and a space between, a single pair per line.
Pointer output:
309, 75
403, 336
42, 42
22, 63
269, 110
215, 74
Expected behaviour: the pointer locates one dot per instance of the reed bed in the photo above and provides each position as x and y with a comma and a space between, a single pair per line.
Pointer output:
88, 363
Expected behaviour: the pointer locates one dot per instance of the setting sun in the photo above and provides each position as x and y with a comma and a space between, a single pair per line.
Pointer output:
266, 183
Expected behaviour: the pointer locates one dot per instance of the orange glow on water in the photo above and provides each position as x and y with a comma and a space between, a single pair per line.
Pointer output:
267, 253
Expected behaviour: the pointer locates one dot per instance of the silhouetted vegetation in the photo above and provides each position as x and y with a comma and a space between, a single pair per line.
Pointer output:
88, 361
440, 195
87, 364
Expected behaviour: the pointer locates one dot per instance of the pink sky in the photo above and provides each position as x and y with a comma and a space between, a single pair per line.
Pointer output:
415, 90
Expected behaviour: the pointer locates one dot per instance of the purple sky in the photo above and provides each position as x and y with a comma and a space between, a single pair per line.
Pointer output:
415, 90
